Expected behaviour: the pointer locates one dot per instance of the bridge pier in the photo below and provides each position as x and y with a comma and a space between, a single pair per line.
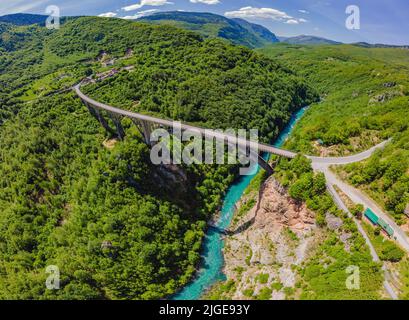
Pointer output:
139, 127
264, 164
261, 162
119, 129
147, 131
97, 114
144, 129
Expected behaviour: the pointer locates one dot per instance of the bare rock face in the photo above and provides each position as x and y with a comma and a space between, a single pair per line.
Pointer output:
274, 237
389, 84
170, 176
381, 98
333, 222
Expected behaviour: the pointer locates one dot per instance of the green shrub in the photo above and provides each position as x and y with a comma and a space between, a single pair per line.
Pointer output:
277, 286
262, 278
264, 294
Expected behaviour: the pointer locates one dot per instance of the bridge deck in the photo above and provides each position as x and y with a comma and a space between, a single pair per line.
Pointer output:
185, 127
317, 161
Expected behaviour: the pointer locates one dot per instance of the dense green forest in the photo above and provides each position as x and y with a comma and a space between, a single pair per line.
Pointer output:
117, 226
211, 83
364, 100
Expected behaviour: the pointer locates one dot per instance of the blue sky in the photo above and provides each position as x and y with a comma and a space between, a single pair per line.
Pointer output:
385, 21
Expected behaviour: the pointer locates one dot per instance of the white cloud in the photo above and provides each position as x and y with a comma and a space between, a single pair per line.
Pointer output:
154, 3
17, 6
260, 13
303, 11
140, 14
206, 1
107, 14
264, 13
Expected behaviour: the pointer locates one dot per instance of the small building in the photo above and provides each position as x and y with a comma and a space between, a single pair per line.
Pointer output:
108, 63
102, 56
106, 244
320, 142
129, 68
407, 210
106, 74
371, 216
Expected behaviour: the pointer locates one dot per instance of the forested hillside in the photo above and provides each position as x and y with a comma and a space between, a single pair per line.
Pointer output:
364, 100
209, 83
117, 226
238, 31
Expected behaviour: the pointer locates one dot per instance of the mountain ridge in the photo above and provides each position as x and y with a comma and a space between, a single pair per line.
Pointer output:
308, 39
22, 19
254, 35
209, 25
379, 45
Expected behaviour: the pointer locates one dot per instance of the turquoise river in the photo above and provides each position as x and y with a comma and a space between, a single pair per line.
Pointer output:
211, 269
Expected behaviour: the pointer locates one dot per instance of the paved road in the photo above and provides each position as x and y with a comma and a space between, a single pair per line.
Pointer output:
358, 197
350, 159
341, 205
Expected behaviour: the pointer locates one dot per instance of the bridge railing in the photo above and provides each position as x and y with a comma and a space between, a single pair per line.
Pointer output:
209, 133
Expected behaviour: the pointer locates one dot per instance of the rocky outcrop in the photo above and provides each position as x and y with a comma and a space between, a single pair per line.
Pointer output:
382, 98
333, 222
262, 257
175, 182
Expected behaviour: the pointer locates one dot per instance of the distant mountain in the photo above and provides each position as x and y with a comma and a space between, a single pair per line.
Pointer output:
378, 45
211, 25
26, 19
23, 19
305, 39
262, 32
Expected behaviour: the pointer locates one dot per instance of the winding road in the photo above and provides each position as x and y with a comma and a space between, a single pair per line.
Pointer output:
328, 161
358, 197
341, 205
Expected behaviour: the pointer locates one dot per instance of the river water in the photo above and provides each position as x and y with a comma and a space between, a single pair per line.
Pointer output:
211, 269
